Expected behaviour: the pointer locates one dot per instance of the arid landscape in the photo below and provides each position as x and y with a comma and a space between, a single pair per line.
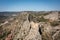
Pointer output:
30, 25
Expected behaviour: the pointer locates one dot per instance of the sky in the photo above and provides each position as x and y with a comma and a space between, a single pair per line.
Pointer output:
29, 5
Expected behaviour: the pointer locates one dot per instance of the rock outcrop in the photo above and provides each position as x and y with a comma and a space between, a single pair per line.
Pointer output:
27, 26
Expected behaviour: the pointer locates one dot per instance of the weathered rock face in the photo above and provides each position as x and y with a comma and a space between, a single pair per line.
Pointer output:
52, 16
28, 31
23, 31
33, 32
27, 26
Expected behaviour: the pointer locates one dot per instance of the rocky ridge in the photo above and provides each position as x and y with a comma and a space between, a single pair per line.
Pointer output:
27, 26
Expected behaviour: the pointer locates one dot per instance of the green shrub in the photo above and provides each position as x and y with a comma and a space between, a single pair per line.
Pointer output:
54, 23
6, 33
36, 18
42, 19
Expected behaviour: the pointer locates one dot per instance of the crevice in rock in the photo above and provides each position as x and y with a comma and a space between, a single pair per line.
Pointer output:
18, 39
40, 31
30, 26
30, 17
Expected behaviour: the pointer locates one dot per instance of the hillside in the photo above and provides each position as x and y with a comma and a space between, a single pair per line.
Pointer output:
30, 25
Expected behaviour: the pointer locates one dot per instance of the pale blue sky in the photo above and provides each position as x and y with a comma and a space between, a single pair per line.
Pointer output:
29, 5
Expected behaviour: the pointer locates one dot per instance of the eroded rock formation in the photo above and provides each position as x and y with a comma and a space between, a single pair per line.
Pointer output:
27, 26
